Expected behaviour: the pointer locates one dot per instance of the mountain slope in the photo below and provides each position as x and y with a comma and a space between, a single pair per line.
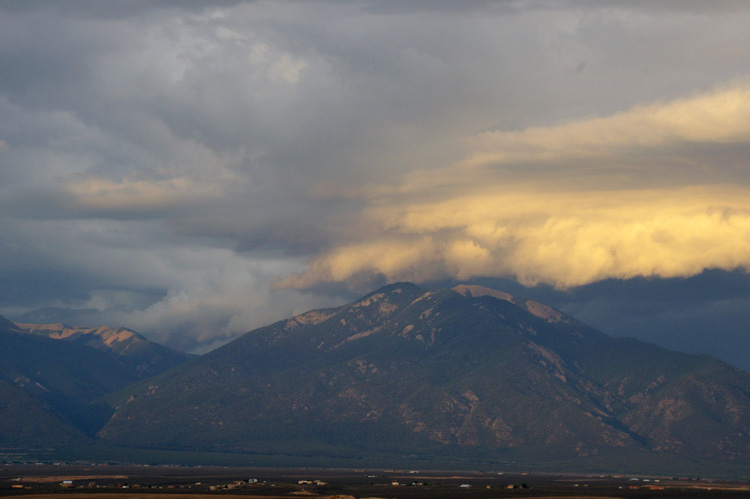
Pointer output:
62, 378
447, 373
26, 423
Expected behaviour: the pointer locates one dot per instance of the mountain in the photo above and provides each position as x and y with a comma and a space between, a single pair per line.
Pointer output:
451, 375
27, 423
49, 379
145, 357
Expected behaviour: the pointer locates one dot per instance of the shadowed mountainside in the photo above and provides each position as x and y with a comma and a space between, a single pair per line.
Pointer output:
49, 380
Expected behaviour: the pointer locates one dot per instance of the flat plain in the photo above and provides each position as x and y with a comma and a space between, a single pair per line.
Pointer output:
147, 482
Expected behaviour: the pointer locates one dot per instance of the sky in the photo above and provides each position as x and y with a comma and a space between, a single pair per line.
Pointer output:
194, 170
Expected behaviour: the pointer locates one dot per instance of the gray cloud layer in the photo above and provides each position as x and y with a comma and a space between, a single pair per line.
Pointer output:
162, 165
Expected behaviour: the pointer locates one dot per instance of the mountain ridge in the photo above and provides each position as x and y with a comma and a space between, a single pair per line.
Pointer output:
145, 356
407, 370
55, 373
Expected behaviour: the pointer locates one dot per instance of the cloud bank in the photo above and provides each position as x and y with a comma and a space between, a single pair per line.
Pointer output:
495, 218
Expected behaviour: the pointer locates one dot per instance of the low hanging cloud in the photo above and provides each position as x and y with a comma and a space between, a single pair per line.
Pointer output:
570, 232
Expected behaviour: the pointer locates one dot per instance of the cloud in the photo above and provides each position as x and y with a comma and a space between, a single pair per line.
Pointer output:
721, 117
565, 232
128, 274
128, 198
563, 239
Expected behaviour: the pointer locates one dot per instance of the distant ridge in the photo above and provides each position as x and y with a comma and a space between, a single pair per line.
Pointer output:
6, 325
51, 374
145, 356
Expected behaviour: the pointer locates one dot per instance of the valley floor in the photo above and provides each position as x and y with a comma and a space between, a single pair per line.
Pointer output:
151, 482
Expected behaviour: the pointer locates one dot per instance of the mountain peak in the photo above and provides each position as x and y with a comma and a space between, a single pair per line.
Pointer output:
391, 297
536, 308
397, 288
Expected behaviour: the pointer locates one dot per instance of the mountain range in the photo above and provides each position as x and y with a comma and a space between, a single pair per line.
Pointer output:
440, 377
51, 374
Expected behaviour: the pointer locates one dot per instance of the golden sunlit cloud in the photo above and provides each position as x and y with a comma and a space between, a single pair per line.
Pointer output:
611, 152
565, 239
102, 194
720, 116
538, 230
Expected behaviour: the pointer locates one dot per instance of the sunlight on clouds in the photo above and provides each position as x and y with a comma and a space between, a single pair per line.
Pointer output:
595, 221
410, 258
645, 144
564, 239
105, 194
720, 116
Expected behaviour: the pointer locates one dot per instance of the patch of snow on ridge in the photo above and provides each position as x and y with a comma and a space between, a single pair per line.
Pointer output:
357, 336
105, 334
476, 291
369, 300
540, 310
424, 296
544, 312
426, 313
110, 337
56, 331
312, 317
387, 309
548, 354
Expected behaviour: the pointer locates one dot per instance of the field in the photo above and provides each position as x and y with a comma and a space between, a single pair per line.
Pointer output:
143, 482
